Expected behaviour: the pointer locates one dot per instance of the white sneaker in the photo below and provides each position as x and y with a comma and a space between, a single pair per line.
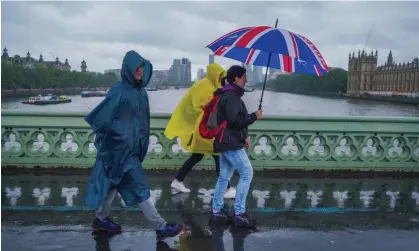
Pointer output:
180, 186
230, 193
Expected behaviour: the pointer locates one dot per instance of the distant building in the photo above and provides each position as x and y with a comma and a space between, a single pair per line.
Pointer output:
83, 66
259, 76
180, 72
30, 62
211, 59
200, 74
186, 71
364, 75
159, 78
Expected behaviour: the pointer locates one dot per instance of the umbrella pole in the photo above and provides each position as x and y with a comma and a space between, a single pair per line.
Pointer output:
264, 81
266, 73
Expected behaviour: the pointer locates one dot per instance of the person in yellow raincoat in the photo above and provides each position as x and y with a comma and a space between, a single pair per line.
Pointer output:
184, 124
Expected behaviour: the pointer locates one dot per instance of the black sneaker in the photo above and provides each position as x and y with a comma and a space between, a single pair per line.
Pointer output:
219, 216
244, 220
170, 230
106, 224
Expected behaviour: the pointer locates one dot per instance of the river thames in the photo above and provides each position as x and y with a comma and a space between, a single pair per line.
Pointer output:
275, 103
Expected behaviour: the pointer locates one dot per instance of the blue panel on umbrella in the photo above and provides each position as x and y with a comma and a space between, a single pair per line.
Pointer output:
228, 40
239, 54
304, 52
272, 41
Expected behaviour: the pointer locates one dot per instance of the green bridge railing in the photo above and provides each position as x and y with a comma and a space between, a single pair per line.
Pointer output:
278, 142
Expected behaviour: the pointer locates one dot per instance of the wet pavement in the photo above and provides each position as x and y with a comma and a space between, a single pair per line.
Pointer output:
59, 231
46, 212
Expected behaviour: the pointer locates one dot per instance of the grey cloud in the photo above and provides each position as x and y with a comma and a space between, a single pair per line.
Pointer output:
99, 32
69, 10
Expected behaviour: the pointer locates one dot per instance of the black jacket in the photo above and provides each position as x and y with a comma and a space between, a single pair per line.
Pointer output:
232, 109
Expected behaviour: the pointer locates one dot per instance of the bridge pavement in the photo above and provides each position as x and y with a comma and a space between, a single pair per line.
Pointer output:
62, 231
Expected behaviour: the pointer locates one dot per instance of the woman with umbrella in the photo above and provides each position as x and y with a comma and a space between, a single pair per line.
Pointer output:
268, 47
231, 143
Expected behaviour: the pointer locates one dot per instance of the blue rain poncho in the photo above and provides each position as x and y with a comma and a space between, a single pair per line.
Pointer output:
121, 123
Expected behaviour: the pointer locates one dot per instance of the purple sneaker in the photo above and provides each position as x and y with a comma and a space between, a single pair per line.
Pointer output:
244, 220
106, 224
170, 230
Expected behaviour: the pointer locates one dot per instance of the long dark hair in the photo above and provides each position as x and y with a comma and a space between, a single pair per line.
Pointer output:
223, 81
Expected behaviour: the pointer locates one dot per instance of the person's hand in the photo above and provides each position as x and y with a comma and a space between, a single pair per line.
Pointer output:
247, 143
258, 114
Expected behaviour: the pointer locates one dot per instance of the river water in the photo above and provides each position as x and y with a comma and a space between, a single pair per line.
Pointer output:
275, 103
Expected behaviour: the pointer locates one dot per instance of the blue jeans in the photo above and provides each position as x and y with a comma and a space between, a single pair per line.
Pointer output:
230, 160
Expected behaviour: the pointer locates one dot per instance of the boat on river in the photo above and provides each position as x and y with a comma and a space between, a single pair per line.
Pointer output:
88, 94
47, 100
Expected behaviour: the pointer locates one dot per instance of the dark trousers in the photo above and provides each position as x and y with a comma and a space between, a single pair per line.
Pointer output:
192, 161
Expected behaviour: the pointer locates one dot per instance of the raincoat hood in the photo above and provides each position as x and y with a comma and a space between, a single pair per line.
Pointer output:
214, 73
187, 116
130, 64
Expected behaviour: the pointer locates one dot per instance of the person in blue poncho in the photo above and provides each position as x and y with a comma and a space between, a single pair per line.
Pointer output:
121, 123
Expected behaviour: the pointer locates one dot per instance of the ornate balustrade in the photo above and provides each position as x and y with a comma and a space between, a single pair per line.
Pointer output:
379, 143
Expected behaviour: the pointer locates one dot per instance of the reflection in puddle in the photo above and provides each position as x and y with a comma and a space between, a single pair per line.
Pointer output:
28, 192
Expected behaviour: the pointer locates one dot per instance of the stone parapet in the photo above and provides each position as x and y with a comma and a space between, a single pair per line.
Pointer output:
278, 142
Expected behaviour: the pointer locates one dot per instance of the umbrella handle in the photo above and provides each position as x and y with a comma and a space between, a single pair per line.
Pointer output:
266, 73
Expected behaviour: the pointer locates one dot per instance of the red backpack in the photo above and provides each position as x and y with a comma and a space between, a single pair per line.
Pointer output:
209, 127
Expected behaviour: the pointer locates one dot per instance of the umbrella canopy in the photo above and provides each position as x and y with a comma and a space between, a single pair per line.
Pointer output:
271, 47
282, 62
290, 52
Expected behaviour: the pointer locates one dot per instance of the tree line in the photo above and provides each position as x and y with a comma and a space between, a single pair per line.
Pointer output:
333, 82
14, 76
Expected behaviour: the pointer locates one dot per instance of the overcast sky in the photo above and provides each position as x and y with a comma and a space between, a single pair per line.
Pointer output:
101, 32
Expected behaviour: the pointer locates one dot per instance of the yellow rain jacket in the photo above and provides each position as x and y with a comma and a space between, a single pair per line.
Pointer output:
185, 120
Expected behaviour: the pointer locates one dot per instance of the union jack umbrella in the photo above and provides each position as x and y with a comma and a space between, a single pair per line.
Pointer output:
272, 48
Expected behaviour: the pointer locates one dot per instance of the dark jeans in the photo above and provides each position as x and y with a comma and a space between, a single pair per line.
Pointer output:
192, 161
